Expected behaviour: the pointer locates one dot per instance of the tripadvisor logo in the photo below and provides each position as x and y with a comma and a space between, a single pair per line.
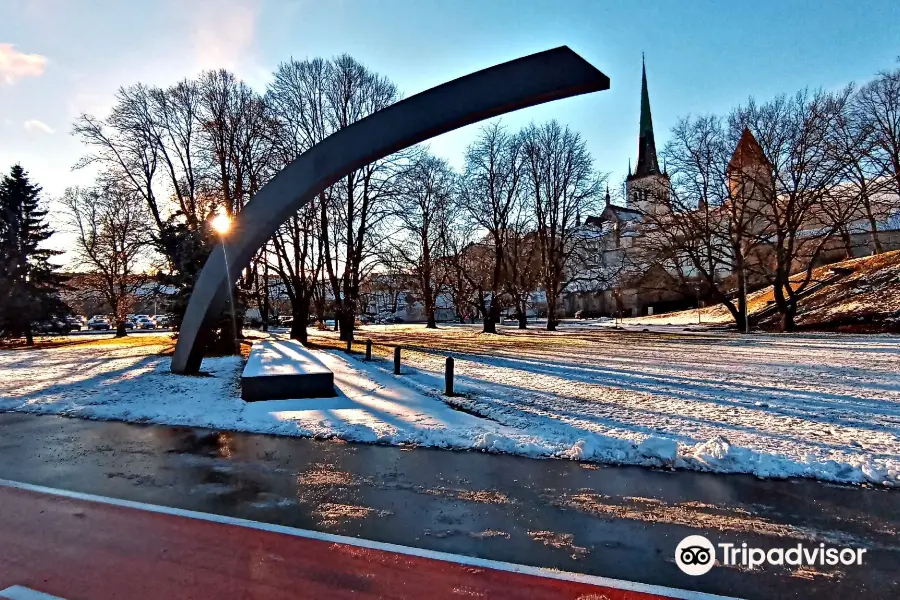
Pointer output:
696, 555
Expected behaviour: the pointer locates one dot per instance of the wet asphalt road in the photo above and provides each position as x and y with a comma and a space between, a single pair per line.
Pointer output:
620, 522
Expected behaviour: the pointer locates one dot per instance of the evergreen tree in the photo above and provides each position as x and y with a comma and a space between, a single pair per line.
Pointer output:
29, 285
188, 250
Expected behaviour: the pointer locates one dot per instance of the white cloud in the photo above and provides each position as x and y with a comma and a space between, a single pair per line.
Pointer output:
16, 65
35, 125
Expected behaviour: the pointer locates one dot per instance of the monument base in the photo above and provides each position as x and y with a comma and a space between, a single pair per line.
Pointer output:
282, 370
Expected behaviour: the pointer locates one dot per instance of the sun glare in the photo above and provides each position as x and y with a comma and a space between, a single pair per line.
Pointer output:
221, 223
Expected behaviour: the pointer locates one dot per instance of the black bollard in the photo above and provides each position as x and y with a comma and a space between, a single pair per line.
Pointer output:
448, 376
397, 360
368, 349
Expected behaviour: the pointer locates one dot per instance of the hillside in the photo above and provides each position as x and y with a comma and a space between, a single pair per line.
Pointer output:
862, 294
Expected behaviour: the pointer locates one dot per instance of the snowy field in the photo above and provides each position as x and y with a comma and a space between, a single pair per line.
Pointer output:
821, 406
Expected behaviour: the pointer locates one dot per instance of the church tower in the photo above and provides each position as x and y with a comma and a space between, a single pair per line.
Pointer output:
648, 185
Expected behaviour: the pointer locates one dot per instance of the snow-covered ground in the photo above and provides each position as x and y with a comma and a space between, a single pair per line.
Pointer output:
822, 406
133, 383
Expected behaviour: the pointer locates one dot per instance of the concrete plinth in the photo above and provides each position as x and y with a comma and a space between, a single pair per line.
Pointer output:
280, 370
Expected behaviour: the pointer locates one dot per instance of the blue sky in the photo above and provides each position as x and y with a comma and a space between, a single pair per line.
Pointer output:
60, 57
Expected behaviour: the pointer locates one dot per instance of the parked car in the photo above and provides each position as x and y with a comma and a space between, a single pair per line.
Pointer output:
393, 320
587, 314
98, 324
166, 320
145, 323
54, 326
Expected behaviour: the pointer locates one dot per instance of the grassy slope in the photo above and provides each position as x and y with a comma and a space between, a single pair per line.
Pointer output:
868, 298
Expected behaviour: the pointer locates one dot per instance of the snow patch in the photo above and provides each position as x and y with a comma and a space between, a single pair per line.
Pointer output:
716, 414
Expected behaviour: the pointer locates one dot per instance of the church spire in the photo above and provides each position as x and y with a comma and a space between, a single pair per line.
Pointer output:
647, 162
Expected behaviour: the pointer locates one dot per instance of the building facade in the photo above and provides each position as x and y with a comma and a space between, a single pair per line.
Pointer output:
623, 280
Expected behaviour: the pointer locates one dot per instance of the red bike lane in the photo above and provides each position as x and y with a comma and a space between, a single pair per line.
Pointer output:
76, 546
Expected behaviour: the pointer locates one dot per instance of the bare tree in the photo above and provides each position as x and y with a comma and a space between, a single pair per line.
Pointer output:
177, 112
562, 185
853, 146
457, 236
420, 210
298, 261
489, 191
876, 107
313, 99
702, 234
125, 145
793, 186
521, 259
238, 131
111, 243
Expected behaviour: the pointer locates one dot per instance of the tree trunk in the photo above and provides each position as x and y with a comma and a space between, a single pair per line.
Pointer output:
523, 316
489, 326
300, 316
431, 322
29, 336
787, 307
873, 225
120, 329
551, 312
348, 321
737, 312
848, 242
787, 320
492, 317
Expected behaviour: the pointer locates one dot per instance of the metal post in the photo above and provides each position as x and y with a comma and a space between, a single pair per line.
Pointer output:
448, 376
368, 349
397, 360
697, 287
744, 294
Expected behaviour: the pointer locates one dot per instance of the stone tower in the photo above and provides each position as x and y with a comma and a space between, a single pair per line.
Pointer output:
648, 186
751, 181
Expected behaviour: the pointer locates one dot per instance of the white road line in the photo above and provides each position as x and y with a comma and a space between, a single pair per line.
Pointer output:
17, 592
471, 561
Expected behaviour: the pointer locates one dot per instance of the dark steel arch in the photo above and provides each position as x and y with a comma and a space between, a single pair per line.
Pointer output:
550, 75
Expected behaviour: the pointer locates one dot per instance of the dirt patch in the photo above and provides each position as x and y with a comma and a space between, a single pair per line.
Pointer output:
812, 574
558, 540
696, 515
333, 513
324, 476
480, 496
488, 533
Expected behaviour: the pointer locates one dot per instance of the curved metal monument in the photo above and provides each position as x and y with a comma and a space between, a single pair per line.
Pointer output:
551, 75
